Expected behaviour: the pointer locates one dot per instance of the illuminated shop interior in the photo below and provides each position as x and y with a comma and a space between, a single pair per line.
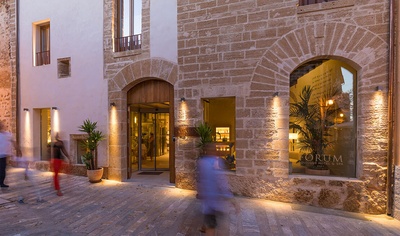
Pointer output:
219, 114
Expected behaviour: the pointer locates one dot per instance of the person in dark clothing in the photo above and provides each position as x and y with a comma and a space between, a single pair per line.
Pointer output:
6, 143
150, 152
57, 152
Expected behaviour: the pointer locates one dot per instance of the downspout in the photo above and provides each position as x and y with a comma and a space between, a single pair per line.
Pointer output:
391, 137
396, 81
17, 77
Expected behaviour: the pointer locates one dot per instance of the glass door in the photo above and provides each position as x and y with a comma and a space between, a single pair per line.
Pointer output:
134, 142
162, 145
149, 142
154, 132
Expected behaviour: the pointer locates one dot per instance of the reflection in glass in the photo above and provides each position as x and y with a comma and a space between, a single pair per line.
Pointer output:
322, 116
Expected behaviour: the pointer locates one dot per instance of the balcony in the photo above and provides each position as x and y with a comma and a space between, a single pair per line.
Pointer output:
42, 58
308, 2
128, 43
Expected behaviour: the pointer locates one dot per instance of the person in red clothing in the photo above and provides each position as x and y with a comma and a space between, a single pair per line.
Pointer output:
57, 152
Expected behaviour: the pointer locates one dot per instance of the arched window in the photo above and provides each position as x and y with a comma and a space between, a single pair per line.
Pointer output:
323, 119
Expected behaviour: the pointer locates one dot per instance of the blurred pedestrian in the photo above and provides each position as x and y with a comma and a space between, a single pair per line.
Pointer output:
58, 151
7, 141
30, 181
150, 152
213, 191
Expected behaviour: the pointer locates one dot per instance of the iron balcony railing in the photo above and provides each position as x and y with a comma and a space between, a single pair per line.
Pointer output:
127, 43
42, 58
308, 2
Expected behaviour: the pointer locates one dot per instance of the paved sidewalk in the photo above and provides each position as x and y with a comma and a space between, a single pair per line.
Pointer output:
148, 205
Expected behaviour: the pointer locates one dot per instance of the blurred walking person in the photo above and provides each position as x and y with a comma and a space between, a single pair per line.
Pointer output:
58, 151
30, 181
7, 141
212, 188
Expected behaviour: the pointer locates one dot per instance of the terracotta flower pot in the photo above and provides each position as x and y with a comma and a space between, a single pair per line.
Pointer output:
95, 175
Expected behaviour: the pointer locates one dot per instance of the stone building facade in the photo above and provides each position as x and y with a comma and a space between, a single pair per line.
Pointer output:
8, 82
247, 50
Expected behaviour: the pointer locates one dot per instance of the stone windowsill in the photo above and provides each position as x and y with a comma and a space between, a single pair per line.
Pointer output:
127, 53
325, 6
319, 177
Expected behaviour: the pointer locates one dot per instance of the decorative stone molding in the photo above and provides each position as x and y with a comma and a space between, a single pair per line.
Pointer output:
125, 79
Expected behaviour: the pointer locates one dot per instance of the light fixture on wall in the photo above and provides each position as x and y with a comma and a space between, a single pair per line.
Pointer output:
112, 104
378, 88
183, 99
53, 108
276, 94
26, 109
293, 136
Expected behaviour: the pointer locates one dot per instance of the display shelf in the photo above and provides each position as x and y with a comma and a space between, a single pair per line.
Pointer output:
222, 134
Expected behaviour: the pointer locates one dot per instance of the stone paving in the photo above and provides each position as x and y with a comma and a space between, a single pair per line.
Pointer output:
149, 205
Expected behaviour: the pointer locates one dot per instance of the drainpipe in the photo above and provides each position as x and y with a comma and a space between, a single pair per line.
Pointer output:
392, 114
17, 79
396, 81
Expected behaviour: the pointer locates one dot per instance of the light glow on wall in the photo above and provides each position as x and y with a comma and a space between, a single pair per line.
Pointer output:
378, 108
183, 113
114, 127
56, 123
183, 119
27, 134
276, 109
277, 117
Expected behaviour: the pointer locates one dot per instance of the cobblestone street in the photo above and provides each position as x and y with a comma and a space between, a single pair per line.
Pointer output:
149, 205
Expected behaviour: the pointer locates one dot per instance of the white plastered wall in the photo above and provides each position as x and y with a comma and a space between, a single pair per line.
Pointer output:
76, 31
163, 29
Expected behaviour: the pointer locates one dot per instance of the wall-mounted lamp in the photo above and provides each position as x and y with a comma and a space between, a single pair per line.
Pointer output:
378, 88
26, 109
112, 104
183, 99
293, 136
54, 108
276, 94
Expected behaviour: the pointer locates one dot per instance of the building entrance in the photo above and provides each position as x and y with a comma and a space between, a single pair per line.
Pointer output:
149, 139
150, 128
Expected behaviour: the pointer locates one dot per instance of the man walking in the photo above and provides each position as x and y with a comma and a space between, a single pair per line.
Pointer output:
6, 143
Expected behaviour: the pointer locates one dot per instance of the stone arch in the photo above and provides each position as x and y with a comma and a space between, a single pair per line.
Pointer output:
138, 71
355, 45
118, 86
362, 49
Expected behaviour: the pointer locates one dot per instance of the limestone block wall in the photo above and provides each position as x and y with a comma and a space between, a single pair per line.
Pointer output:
123, 70
7, 64
247, 49
396, 207
113, 63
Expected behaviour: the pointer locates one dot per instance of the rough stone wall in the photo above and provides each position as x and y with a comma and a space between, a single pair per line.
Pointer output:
248, 49
396, 207
7, 64
114, 62
123, 70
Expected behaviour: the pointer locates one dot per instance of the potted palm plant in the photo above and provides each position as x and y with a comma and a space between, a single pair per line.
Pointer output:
205, 132
90, 157
312, 121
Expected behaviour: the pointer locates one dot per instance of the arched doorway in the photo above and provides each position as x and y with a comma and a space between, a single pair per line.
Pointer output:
150, 122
